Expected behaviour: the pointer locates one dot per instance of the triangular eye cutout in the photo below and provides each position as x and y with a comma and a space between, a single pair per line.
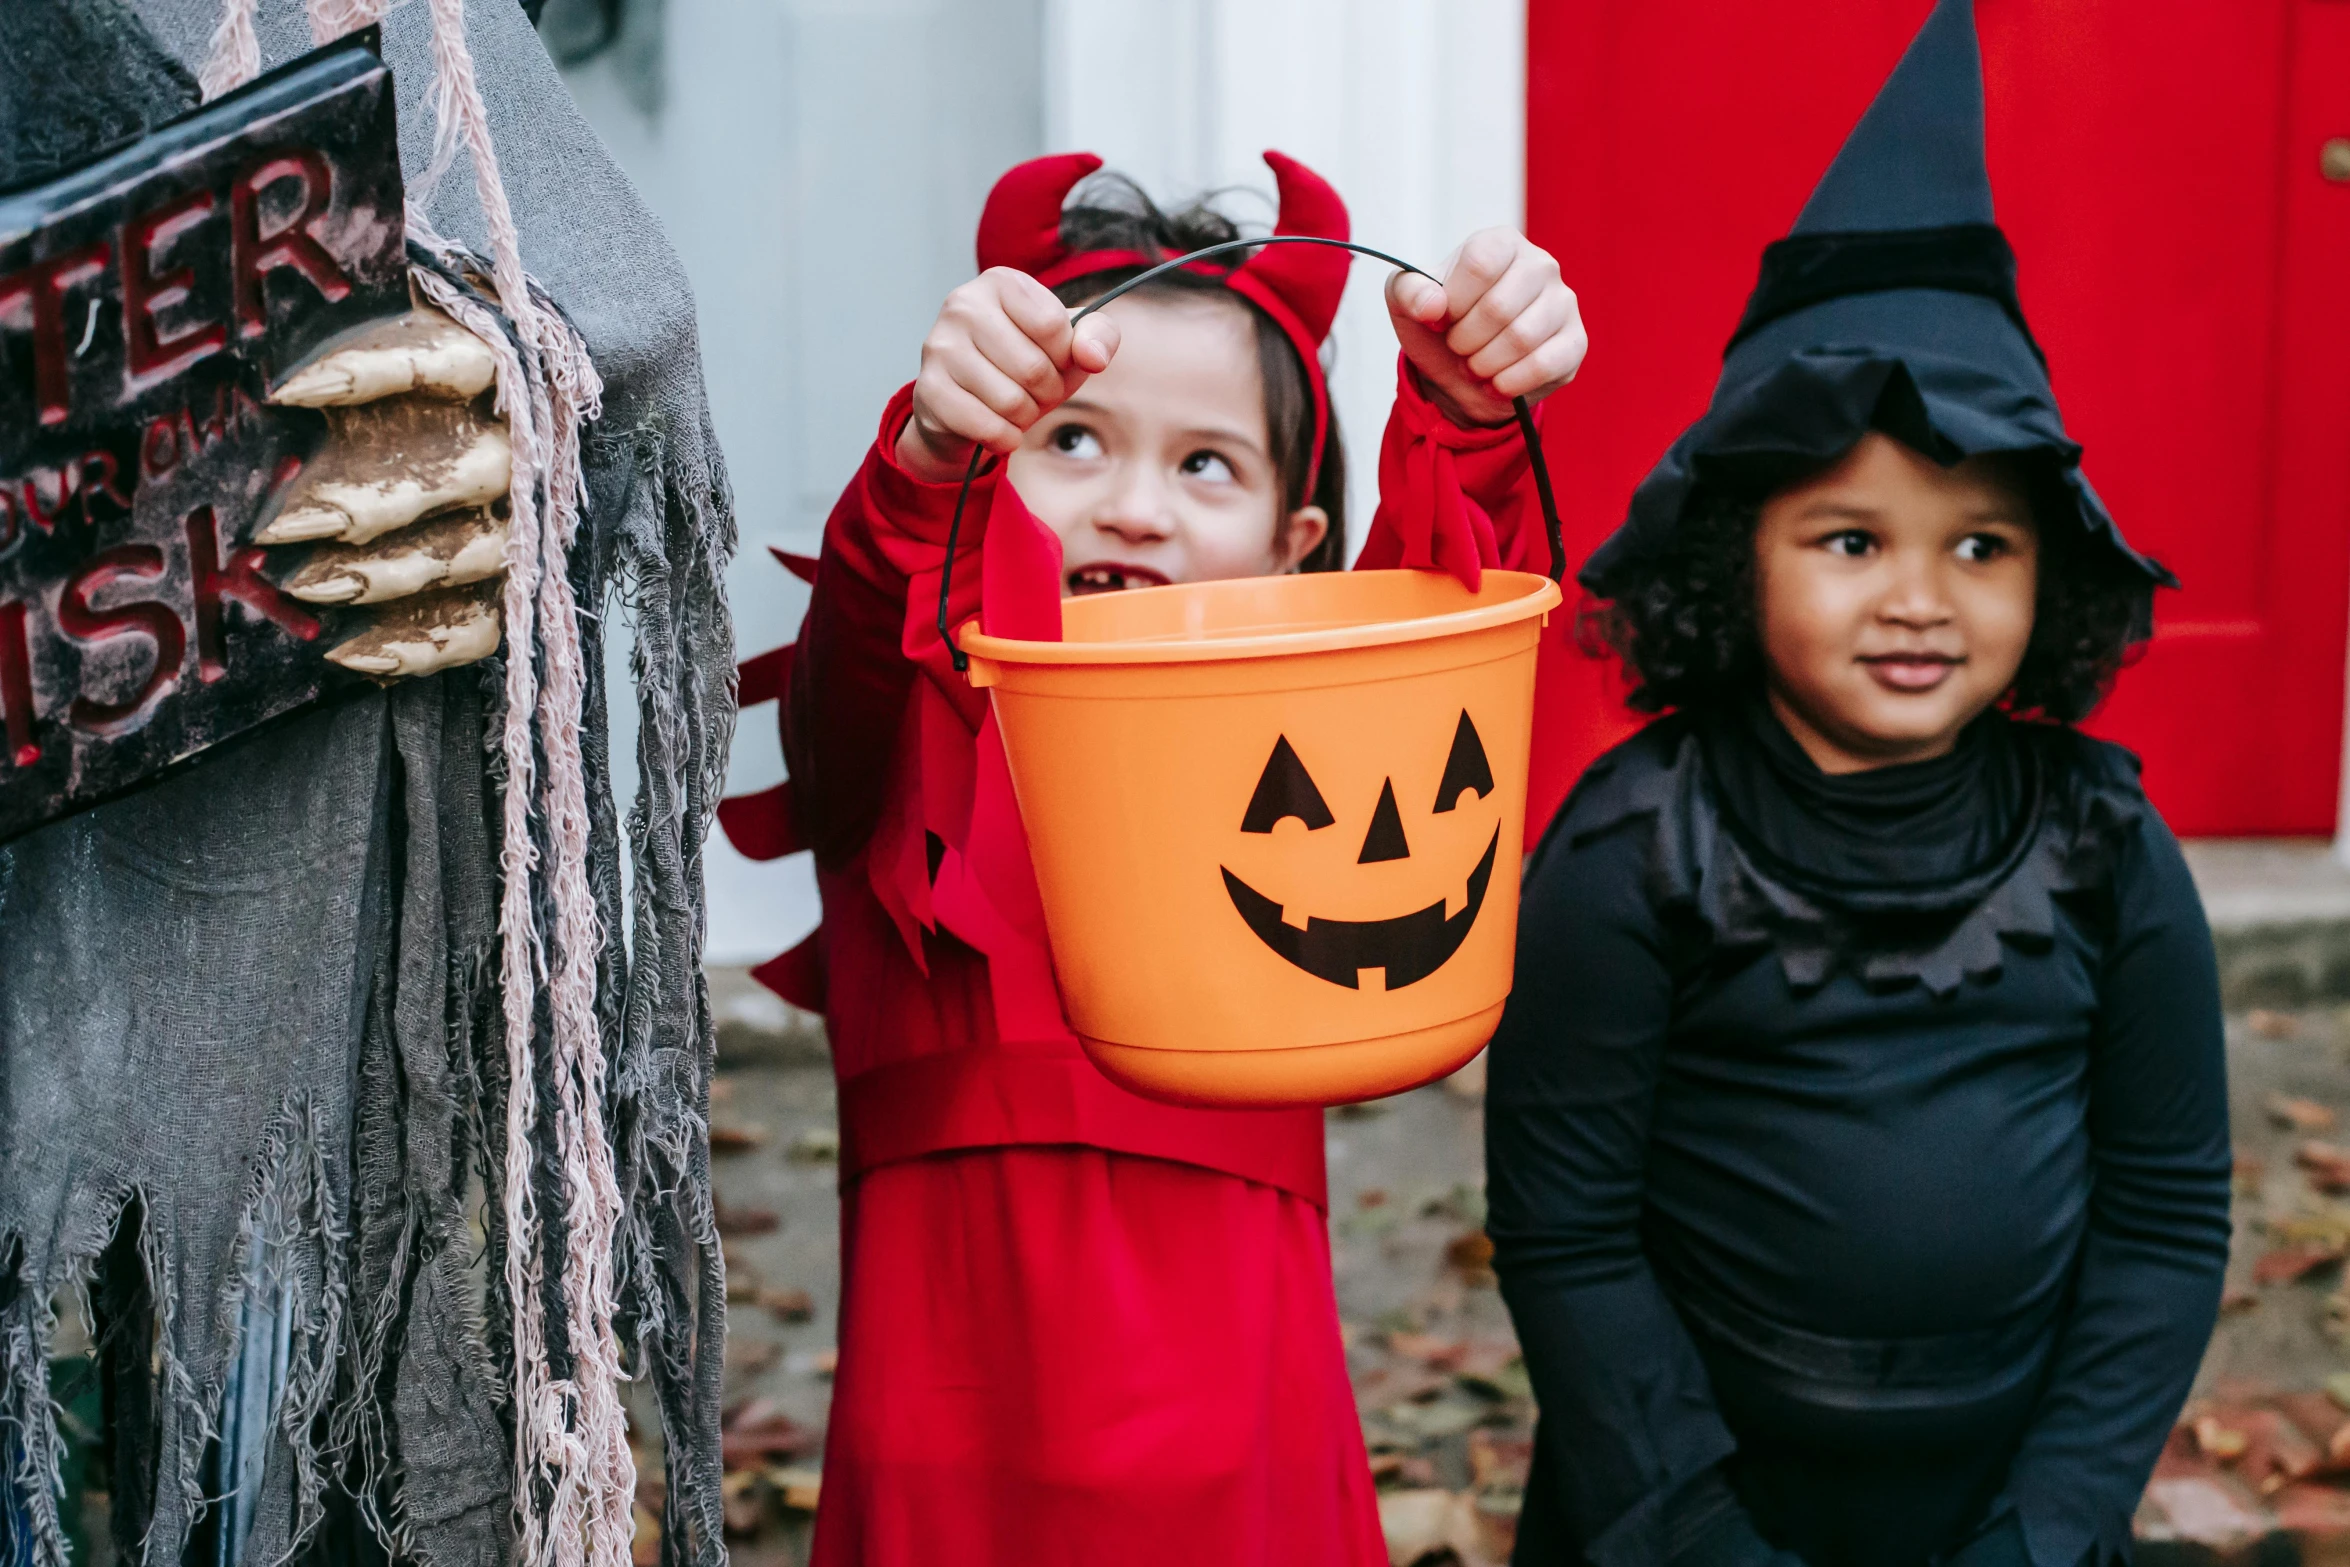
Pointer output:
1465, 768
1385, 840
1285, 788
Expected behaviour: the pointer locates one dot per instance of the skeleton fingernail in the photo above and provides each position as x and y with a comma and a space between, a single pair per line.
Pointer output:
299, 527
365, 663
339, 588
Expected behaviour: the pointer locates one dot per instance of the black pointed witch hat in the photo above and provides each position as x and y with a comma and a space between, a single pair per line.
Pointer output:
1890, 306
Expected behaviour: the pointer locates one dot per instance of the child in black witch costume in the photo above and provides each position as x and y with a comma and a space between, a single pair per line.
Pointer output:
1857, 1135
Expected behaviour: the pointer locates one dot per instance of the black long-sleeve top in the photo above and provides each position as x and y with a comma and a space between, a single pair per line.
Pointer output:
1858, 1143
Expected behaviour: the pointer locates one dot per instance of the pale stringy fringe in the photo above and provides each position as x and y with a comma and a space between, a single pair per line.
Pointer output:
234, 57
330, 19
571, 1436
589, 1471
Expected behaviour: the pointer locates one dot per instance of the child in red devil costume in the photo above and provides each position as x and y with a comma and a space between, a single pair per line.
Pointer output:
1078, 1326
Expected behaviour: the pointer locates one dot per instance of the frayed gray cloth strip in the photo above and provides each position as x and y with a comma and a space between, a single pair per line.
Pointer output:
261, 998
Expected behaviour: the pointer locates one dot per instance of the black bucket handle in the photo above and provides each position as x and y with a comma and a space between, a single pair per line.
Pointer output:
1533, 437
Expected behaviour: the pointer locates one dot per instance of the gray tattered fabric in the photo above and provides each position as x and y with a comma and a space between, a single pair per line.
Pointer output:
248, 1018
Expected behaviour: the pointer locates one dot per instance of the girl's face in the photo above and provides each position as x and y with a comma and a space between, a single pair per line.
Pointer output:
1895, 600
1160, 469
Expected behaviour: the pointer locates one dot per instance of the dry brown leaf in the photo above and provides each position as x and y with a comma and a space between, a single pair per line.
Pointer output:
737, 1138
744, 1502
2219, 1440
746, 1221
761, 1434
789, 1305
2247, 1175
1471, 1251
2233, 1299
1482, 1358
2320, 1224
2301, 1115
2327, 1165
2269, 1023
1426, 1525
799, 1488
1402, 1469
743, 1284
1371, 1197
1429, 1349
1496, 1460
745, 1359
2276, 1452
2289, 1263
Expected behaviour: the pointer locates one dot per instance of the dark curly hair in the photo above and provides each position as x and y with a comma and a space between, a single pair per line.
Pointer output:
1111, 212
1685, 628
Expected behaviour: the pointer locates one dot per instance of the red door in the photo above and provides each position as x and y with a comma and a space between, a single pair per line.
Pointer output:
2184, 261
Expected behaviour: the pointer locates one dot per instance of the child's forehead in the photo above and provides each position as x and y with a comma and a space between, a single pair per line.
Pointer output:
1182, 353
1885, 465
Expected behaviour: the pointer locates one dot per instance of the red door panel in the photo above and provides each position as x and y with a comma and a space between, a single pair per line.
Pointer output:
2183, 262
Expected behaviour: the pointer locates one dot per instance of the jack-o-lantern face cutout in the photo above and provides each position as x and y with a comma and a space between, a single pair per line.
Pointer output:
1406, 948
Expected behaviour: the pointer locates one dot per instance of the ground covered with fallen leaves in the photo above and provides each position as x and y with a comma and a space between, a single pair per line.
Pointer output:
2260, 1463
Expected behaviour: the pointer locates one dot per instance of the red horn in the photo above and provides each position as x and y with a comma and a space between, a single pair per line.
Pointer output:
1307, 278
1021, 224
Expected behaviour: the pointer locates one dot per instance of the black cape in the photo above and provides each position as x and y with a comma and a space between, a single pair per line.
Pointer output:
1855, 1210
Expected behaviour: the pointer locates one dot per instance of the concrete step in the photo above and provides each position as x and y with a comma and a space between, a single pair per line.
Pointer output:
2280, 917
2279, 907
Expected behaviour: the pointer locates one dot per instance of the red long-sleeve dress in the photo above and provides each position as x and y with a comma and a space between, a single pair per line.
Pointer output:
1077, 1326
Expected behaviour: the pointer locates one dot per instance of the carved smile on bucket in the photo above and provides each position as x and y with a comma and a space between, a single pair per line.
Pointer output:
1406, 948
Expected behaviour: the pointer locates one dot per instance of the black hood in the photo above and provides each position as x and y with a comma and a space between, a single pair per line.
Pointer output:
1890, 306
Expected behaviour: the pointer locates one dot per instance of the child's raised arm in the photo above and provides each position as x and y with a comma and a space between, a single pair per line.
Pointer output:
1503, 324
1455, 488
1000, 356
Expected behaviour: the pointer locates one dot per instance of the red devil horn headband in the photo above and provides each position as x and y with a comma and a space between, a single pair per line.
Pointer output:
1298, 286
1021, 225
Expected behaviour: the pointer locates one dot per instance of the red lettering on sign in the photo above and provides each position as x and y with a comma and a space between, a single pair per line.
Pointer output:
204, 436
45, 517
16, 686
35, 297
159, 448
100, 475
255, 254
241, 581
147, 293
147, 618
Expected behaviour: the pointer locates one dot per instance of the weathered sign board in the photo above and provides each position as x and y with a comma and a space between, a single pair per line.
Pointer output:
149, 300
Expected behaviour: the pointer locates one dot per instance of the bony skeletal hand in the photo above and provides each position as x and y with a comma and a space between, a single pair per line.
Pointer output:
404, 508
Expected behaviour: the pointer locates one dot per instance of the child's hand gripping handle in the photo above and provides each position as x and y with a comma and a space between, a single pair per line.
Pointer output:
979, 447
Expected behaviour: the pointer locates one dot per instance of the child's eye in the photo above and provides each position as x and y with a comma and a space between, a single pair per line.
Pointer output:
1852, 542
1976, 548
1075, 440
1208, 466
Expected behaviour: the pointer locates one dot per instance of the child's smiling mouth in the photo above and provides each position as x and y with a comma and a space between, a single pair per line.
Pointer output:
1104, 576
1911, 672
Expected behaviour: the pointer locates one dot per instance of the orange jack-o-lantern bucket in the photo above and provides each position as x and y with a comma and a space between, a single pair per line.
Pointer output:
1276, 823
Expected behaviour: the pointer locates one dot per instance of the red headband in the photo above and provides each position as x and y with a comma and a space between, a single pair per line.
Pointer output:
1297, 285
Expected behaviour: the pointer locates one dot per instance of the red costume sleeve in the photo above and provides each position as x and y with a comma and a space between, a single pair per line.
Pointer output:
1452, 498
870, 632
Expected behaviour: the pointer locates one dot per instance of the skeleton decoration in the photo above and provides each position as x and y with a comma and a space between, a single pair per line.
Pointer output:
291, 1031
